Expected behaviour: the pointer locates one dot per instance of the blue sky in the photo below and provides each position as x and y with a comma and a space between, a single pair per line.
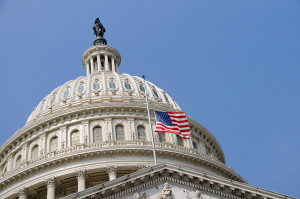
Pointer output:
231, 65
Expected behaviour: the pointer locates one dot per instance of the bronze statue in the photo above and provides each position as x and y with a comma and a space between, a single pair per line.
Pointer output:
98, 28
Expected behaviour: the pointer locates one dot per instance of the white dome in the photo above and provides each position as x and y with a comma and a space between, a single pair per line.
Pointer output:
98, 87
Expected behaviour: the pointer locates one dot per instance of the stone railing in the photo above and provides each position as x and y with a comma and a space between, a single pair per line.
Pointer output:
166, 147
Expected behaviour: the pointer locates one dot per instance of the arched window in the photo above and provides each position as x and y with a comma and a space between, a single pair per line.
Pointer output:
75, 138
161, 137
127, 86
112, 85
120, 132
179, 140
141, 132
5, 169
53, 143
207, 150
18, 161
97, 134
35, 152
195, 145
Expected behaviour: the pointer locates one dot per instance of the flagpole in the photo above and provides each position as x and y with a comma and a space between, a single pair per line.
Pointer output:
153, 145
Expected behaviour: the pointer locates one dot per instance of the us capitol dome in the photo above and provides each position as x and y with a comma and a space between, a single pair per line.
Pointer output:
90, 138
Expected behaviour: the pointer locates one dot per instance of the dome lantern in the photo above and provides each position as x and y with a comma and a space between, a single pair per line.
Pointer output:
100, 57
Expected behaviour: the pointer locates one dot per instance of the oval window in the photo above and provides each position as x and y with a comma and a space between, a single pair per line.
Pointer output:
66, 93
80, 89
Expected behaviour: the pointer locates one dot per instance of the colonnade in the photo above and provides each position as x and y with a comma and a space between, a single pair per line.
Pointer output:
90, 64
81, 178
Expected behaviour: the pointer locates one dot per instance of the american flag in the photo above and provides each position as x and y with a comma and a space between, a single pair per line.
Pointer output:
173, 122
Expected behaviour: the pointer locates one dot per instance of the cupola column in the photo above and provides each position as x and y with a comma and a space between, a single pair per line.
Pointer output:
98, 62
88, 70
50, 183
81, 179
113, 65
112, 172
106, 62
92, 65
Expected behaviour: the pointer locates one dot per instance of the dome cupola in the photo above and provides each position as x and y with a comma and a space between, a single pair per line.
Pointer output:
100, 57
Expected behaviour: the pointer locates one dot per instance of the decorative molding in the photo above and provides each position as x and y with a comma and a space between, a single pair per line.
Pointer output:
50, 182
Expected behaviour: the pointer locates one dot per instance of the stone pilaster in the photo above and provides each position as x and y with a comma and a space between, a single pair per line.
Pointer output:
50, 183
81, 174
112, 172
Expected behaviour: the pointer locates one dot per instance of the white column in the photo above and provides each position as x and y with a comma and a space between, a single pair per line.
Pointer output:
117, 69
50, 183
106, 62
99, 63
22, 193
112, 172
113, 65
92, 65
81, 179
88, 71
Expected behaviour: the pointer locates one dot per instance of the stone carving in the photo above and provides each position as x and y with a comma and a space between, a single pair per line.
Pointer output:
136, 196
166, 192
197, 195
141, 166
80, 173
50, 181
111, 169
23, 192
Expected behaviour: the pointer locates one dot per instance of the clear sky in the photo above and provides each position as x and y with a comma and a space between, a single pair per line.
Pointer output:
233, 66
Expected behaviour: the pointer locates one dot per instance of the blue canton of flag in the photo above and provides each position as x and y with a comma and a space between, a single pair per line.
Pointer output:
173, 122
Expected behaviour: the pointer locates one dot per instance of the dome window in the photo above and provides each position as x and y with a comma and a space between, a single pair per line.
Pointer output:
166, 98
195, 145
18, 161
53, 144
75, 138
80, 89
120, 132
97, 134
66, 93
179, 140
155, 92
42, 107
53, 100
142, 88
112, 85
96, 86
127, 86
141, 132
161, 137
35, 152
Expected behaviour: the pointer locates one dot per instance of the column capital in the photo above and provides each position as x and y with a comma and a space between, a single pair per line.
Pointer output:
50, 181
80, 173
111, 169
22, 192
